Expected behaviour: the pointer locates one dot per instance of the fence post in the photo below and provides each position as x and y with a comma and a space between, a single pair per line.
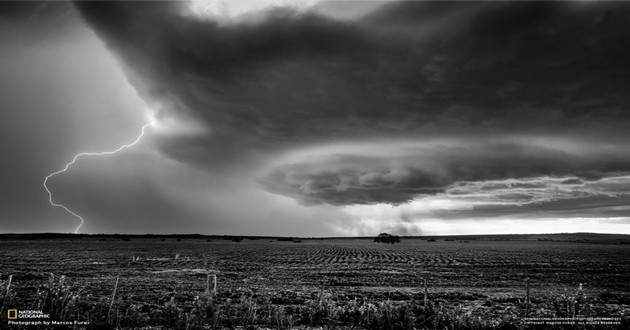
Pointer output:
111, 303
321, 291
6, 294
9, 283
527, 297
211, 284
426, 293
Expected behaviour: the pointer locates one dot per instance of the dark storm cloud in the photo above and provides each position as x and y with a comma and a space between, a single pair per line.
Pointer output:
395, 174
32, 22
284, 80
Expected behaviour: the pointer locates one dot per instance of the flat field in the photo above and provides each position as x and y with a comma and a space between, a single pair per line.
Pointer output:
486, 279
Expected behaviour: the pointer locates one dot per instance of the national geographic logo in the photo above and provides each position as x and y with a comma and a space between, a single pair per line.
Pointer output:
14, 314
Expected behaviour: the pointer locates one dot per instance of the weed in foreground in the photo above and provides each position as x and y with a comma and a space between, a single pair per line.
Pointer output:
226, 310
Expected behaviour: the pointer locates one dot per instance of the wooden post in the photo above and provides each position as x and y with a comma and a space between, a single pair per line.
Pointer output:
426, 294
211, 284
111, 303
321, 291
527, 297
207, 284
9, 283
6, 294
578, 300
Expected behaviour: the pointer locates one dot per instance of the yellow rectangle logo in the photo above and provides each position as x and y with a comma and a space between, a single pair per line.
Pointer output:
12, 314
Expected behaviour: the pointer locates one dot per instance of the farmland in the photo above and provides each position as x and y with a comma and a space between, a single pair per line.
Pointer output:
478, 278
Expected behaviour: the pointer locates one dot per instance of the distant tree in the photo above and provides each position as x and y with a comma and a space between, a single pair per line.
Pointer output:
387, 238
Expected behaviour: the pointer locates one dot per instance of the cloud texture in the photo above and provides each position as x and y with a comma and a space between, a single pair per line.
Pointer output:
395, 173
519, 101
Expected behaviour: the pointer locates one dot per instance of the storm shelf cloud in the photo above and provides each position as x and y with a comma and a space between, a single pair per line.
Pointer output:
510, 107
507, 170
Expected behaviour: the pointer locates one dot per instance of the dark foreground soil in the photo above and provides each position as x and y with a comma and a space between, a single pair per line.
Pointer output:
317, 283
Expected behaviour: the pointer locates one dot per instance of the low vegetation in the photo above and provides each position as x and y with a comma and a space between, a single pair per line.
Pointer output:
147, 283
230, 309
246, 309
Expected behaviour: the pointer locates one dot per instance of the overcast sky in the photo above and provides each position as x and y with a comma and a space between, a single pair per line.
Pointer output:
316, 118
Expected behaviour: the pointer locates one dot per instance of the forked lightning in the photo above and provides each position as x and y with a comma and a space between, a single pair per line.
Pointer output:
75, 159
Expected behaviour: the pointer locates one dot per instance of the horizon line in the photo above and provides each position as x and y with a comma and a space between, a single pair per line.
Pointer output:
300, 237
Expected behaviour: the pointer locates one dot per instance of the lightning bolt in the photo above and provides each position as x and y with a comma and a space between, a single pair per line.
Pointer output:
50, 199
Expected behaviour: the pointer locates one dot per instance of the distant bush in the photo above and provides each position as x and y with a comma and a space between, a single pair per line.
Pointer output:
387, 238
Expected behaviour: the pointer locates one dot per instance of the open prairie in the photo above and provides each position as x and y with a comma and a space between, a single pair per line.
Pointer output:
478, 278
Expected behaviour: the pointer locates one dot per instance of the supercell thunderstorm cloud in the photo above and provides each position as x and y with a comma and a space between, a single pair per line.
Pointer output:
332, 118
